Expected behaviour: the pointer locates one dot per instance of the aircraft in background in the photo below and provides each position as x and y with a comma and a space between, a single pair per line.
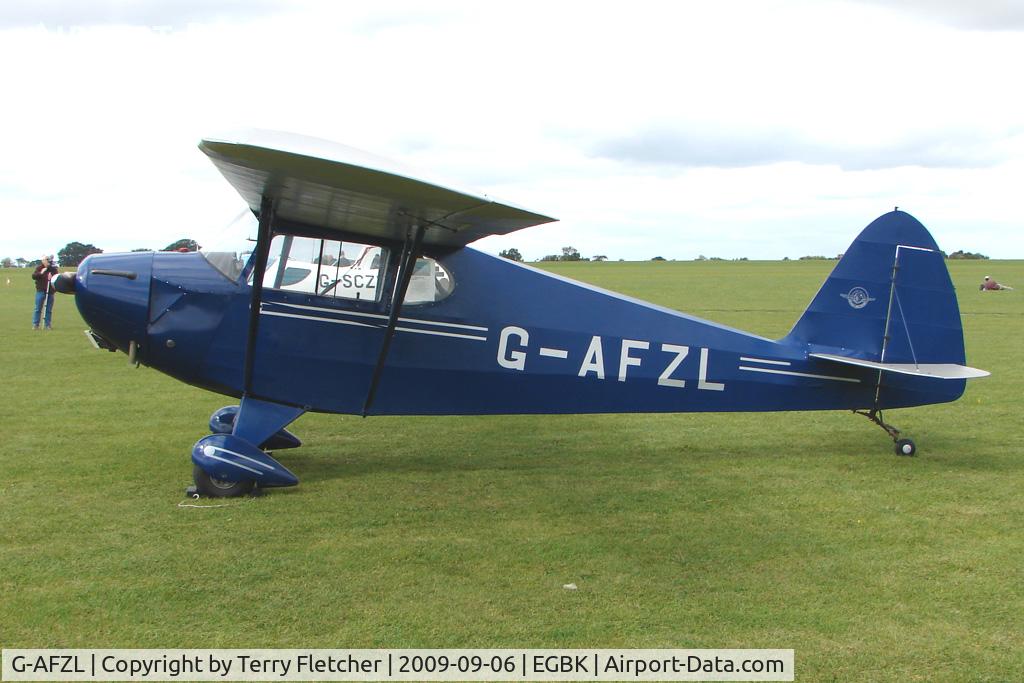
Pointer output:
419, 323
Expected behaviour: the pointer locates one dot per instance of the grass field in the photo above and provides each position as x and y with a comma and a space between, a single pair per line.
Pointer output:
788, 530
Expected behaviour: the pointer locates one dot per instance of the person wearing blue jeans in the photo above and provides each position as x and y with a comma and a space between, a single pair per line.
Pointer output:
43, 275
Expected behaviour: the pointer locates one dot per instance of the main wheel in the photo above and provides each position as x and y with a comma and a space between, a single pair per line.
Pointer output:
218, 488
905, 447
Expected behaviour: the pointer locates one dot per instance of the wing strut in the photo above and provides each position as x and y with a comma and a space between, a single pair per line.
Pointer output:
407, 264
262, 251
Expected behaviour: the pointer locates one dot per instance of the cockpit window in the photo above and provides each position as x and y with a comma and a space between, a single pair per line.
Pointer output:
329, 268
430, 282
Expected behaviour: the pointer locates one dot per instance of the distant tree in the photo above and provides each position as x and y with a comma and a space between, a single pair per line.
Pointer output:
600, 257
570, 254
511, 254
8, 262
814, 258
960, 254
141, 249
183, 244
658, 258
75, 252
21, 262
785, 258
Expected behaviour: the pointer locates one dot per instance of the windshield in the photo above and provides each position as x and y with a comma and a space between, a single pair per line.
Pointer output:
232, 246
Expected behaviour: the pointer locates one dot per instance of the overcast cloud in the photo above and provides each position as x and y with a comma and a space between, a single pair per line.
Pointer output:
983, 15
151, 13
739, 148
734, 128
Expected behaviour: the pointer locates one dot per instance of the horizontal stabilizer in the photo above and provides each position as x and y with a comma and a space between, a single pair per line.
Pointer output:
327, 185
936, 370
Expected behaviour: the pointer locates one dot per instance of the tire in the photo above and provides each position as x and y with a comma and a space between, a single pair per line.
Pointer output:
216, 488
905, 447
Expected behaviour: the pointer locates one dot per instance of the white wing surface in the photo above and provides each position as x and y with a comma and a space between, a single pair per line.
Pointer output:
328, 185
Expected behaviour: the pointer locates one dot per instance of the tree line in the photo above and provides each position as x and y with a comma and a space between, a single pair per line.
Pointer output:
568, 254
573, 254
73, 253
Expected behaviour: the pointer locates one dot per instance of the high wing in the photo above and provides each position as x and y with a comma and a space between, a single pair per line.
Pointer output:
328, 185
935, 370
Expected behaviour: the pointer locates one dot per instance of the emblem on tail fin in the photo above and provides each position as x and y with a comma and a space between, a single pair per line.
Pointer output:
858, 297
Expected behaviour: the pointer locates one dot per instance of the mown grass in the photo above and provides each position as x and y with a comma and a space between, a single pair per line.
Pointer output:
791, 530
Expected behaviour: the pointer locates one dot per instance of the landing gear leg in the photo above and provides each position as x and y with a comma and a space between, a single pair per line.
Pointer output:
232, 462
903, 446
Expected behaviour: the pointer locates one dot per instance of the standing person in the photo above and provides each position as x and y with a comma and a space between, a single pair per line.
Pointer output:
43, 274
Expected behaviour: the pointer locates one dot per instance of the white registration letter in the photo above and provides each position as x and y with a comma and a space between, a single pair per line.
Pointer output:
513, 360
702, 379
625, 360
594, 360
681, 352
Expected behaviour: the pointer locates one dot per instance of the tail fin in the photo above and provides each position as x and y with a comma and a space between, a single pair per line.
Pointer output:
889, 300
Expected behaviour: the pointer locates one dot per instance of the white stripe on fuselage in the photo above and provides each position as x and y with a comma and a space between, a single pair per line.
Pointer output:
441, 334
765, 360
374, 316
798, 374
378, 316
317, 318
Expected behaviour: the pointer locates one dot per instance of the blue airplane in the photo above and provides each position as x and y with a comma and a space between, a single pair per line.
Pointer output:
359, 295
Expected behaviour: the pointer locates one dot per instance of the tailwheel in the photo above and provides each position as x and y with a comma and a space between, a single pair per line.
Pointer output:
905, 447
219, 488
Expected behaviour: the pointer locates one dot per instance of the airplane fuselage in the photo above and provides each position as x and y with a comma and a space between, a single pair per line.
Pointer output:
507, 339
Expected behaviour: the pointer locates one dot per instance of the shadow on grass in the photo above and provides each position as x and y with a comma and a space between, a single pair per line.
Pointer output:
615, 445
316, 465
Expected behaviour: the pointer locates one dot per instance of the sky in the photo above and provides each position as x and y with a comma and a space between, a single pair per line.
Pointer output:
726, 128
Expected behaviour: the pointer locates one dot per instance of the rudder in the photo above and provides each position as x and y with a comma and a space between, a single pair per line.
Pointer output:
889, 299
